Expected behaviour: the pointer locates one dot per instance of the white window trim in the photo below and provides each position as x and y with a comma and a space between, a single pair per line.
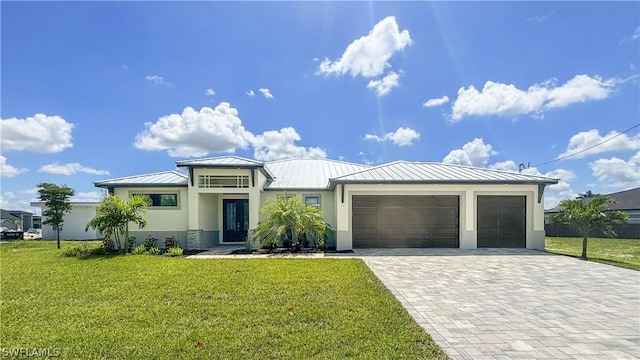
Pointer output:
319, 204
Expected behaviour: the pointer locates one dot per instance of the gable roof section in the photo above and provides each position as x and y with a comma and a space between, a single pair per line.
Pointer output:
300, 174
7, 215
437, 173
160, 179
225, 162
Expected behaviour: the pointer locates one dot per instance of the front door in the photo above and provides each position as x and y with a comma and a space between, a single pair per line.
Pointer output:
235, 219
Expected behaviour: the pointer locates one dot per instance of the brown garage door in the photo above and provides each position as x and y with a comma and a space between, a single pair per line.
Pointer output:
405, 221
502, 221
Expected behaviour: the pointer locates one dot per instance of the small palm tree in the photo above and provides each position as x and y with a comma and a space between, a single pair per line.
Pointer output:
288, 217
590, 214
114, 215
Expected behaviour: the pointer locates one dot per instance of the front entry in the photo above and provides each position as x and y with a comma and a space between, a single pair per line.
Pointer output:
236, 220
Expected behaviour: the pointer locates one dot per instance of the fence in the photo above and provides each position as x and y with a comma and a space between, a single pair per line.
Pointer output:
629, 231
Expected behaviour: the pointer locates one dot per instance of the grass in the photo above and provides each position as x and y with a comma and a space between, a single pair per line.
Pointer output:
619, 252
156, 307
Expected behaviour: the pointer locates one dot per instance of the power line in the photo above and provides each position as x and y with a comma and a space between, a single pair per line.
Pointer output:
589, 148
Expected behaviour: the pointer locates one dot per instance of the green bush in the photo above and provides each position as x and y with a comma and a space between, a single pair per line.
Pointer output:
150, 242
130, 241
170, 242
174, 251
108, 245
70, 252
138, 250
322, 244
155, 251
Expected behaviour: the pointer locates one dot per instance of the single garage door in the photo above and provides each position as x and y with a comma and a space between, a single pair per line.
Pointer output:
405, 221
502, 221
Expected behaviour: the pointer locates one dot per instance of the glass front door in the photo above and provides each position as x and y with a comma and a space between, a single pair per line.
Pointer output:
235, 219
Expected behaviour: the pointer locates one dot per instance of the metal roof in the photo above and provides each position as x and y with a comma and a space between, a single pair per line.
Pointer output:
233, 161
426, 172
165, 178
308, 173
624, 200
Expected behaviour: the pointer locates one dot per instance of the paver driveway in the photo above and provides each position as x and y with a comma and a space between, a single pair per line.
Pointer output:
517, 304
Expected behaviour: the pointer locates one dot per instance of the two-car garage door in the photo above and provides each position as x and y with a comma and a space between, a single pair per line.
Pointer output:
405, 221
433, 221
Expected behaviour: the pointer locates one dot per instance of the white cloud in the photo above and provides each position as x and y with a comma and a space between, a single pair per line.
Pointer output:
436, 101
88, 196
266, 92
540, 18
384, 86
251, 93
70, 169
636, 34
369, 55
209, 92
7, 170
157, 79
196, 133
497, 99
474, 153
586, 139
402, 137
40, 133
616, 172
553, 194
508, 165
280, 144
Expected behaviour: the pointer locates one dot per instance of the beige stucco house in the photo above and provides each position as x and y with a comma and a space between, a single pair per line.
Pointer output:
399, 204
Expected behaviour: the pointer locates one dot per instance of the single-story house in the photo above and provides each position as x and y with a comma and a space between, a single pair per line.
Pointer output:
400, 204
75, 222
626, 201
16, 219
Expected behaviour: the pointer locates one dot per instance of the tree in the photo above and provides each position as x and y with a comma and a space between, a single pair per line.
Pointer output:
288, 217
114, 215
56, 201
588, 215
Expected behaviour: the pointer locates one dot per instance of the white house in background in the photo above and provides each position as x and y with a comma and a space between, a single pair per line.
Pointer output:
399, 204
74, 222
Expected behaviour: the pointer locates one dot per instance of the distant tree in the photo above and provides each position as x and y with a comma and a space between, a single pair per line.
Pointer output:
588, 215
114, 215
587, 194
56, 200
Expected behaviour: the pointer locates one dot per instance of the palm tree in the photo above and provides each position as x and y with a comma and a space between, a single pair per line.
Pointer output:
588, 215
114, 215
289, 216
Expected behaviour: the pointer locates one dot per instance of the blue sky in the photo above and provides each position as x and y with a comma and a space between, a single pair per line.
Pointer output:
96, 90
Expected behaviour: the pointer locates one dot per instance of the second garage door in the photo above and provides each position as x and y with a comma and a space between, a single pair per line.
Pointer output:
502, 221
405, 221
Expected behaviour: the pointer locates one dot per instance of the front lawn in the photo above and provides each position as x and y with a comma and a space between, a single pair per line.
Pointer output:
619, 252
155, 307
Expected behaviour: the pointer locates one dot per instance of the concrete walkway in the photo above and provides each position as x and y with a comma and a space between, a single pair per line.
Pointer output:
515, 304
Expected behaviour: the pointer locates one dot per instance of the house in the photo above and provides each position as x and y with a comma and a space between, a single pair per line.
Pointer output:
75, 222
399, 204
627, 201
16, 219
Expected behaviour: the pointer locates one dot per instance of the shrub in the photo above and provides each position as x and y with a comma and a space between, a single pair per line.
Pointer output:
322, 244
108, 245
138, 250
170, 242
70, 252
174, 251
130, 241
98, 251
150, 242
155, 251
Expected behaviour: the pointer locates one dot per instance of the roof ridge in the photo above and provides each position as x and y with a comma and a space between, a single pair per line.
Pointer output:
370, 168
220, 157
325, 159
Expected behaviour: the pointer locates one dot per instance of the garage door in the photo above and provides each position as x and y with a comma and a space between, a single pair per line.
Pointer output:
405, 221
502, 221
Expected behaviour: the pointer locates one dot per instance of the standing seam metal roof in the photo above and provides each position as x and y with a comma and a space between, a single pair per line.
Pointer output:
165, 178
308, 173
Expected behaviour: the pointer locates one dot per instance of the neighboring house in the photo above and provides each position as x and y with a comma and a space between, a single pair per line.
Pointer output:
399, 204
16, 219
74, 222
627, 201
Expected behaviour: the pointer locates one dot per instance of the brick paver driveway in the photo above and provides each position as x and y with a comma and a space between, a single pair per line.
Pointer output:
517, 304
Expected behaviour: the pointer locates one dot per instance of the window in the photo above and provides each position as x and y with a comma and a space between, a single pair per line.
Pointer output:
162, 199
211, 181
312, 200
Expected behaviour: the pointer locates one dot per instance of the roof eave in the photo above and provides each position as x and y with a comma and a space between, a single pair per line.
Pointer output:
334, 182
262, 169
104, 186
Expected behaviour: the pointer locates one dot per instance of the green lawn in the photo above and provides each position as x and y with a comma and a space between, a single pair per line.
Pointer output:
619, 252
155, 307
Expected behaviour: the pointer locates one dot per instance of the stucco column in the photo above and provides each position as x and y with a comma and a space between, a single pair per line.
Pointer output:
468, 235
343, 232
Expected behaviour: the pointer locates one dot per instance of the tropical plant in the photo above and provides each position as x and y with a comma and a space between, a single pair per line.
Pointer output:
588, 215
113, 216
155, 251
288, 217
174, 251
56, 200
138, 250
